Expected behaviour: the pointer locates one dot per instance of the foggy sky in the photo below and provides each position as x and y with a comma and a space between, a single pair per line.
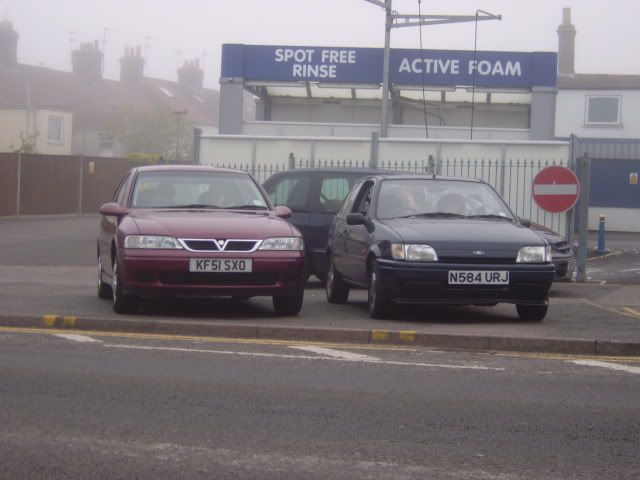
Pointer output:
607, 37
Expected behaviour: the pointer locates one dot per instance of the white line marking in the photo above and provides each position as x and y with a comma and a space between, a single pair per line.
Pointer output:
306, 357
555, 189
77, 338
612, 366
337, 353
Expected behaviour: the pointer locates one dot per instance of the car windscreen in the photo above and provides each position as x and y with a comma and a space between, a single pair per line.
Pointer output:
439, 198
197, 189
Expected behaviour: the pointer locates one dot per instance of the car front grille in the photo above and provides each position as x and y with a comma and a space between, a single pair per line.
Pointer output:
477, 260
219, 245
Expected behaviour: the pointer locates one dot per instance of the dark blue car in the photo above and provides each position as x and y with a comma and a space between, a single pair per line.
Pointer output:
422, 239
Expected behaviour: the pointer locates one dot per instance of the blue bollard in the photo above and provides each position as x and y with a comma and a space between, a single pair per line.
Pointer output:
601, 249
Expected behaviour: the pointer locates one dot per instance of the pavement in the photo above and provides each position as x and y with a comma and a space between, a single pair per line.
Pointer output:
47, 279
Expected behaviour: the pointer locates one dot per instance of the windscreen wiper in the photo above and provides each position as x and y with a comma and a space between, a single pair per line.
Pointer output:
501, 217
435, 215
246, 207
193, 205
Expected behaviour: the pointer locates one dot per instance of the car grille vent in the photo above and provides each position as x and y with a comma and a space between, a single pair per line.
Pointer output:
477, 260
214, 245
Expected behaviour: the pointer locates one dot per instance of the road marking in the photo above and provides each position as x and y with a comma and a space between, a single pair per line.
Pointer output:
624, 313
610, 254
632, 311
335, 353
305, 357
380, 335
77, 338
408, 336
49, 320
611, 366
191, 338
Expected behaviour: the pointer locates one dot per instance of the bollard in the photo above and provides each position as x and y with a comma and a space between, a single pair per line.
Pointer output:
601, 236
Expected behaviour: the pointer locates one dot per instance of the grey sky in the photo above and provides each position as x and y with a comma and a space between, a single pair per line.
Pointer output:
607, 35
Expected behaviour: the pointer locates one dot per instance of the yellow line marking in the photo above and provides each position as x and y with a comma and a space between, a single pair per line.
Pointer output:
560, 356
624, 313
49, 320
632, 311
610, 254
380, 335
251, 341
408, 336
69, 322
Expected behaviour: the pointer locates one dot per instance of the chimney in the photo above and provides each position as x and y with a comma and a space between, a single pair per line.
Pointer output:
132, 65
87, 61
8, 44
190, 75
566, 44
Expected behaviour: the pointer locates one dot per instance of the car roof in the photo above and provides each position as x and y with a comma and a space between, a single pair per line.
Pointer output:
421, 176
318, 171
186, 168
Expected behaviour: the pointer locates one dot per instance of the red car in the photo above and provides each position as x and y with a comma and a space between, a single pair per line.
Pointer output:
197, 231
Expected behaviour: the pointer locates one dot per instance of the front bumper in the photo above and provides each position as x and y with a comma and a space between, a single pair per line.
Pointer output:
413, 282
154, 274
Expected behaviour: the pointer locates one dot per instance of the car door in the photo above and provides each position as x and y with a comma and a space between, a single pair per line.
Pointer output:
109, 225
337, 230
357, 237
327, 194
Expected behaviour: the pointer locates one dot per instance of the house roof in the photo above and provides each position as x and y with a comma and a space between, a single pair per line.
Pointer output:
599, 82
93, 101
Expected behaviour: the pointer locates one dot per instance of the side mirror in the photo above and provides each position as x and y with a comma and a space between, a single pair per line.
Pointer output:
282, 211
112, 209
356, 219
525, 222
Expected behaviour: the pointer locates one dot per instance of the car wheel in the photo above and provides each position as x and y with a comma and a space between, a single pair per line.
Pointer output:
336, 288
378, 301
289, 304
104, 289
121, 303
532, 313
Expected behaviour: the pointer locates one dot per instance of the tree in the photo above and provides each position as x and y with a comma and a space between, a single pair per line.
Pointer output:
27, 143
153, 134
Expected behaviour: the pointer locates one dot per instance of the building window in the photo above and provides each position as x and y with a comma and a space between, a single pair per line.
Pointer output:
55, 129
603, 110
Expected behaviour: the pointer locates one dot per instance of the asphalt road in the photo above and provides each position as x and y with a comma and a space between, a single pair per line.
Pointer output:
114, 406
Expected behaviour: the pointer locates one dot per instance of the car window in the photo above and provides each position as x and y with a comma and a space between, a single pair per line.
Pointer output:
291, 191
118, 196
363, 200
184, 189
333, 190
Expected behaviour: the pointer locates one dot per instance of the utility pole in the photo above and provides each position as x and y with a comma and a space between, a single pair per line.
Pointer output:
395, 20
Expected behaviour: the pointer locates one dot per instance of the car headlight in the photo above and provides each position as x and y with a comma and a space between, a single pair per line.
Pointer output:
282, 243
151, 241
413, 252
534, 255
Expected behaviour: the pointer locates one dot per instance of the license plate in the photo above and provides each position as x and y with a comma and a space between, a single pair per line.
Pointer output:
223, 265
478, 277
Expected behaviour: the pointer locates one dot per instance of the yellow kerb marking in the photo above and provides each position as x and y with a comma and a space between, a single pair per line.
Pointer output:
408, 336
380, 335
69, 322
49, 320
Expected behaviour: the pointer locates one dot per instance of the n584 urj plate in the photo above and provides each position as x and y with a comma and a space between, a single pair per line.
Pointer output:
478, 277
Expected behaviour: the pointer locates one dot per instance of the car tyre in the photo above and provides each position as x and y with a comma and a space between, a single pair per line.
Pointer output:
288, 304
104, 289
121, 303
377, 299
336, 288
532, 313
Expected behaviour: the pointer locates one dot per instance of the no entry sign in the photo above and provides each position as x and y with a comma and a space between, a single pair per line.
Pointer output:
556, 189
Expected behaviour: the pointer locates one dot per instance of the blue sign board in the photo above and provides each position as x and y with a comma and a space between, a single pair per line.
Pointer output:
269, 63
